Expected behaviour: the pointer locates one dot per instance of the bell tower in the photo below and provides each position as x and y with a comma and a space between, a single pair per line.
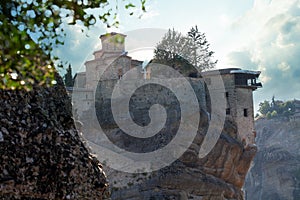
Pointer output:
113, 42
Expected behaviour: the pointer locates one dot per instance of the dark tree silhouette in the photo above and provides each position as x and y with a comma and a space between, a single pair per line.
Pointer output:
68, 77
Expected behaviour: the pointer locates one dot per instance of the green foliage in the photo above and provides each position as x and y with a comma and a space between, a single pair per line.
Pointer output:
200, 53
178, 63
264, 107
276, 108
68, 77
171, 46
269, 115
274, 114
30, 29
189, 50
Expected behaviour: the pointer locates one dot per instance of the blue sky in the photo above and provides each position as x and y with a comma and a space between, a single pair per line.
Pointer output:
252, 34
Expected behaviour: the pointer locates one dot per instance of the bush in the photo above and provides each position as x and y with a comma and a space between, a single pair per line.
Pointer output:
274, 114
268, 115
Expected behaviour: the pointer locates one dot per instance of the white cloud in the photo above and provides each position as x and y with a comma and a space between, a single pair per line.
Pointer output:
252, 23
283, 66
225, 20
150, 14
79, 46
141, 43
272, 31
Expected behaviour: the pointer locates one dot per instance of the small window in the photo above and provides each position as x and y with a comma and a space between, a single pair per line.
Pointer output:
226, 94
120, 73
245, 112
249, 81
227, 111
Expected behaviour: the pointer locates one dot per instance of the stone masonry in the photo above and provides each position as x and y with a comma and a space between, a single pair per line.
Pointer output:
112, 62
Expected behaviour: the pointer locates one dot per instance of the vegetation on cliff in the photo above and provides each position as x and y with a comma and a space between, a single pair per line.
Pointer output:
185, 52
277, 108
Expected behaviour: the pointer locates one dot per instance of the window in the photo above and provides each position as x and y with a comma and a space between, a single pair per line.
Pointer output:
226, 94
245, 112
249, 81
120, 73
227, 111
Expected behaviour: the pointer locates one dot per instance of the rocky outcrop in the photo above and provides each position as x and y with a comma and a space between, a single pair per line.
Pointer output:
218, 176
42, 155
275, 173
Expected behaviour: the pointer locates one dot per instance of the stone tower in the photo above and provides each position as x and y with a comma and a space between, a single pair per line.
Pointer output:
239, 86
111, 60
113, 42
109, 63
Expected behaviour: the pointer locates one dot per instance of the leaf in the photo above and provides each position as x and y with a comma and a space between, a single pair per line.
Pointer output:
18, 27
130, 5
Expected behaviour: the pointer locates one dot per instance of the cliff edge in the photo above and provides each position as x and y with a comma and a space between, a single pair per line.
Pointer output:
275, 173
218, 176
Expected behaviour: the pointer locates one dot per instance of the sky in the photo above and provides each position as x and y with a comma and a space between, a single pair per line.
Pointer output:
259, 35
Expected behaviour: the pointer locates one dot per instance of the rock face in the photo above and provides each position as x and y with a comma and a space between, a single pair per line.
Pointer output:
275, 173
218, 176
42, 155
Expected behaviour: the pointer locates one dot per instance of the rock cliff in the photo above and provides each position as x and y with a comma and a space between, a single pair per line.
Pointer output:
41, 154
218, 176
275, 173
